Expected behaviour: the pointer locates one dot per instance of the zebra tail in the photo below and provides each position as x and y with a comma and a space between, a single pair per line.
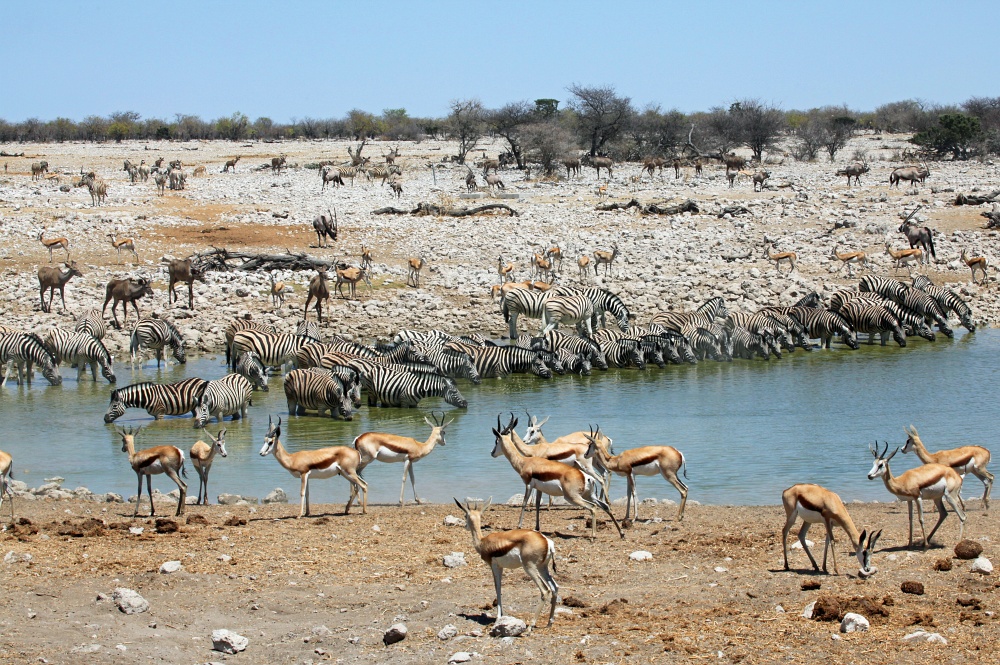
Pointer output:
505, 311
133, 346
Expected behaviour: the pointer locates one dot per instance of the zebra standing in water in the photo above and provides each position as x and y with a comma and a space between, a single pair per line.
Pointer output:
155, 334
25, 350
946, 300
80, 349
555, 340
522, 302
496, 362
452, 363
573, 310
604, 302
253, 370
389, 387
703, 317
823, 325
873, 319
274, 349
159, 399
237, 325
93, 324
316, 389
229, 395
624, 352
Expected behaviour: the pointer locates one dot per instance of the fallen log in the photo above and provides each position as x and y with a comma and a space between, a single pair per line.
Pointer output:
446, 211
977, 199
992, 219
734, 210
219, 258
652, 208
607, 207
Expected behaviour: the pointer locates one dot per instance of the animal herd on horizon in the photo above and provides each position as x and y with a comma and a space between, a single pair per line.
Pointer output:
330, 376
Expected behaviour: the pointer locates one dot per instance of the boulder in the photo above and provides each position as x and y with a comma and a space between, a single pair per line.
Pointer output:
227, 641
923, 637
508, 626
277, 495
168, 567
129, 601
396, 633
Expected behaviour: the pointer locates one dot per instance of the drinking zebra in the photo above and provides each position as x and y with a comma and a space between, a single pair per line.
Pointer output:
946, 300
435, 337
80, 350
704, 316
274, 349
762, 322
747, 344
555, 340
873, 319
159, 399
706, 345
521, 302
24, 350
93, 324
452, 363
823, 325
624, 352
316, 389
604, 302
154, 334
884, 286
253, 370
227, 396
497, 362
574, 362
573, 310
237, 325
389, 387
926, 306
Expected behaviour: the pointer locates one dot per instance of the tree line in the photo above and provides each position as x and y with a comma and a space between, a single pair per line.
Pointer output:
595, 119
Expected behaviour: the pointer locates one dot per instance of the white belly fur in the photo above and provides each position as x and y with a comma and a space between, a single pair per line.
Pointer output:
934, 491
511, 559
387, 455
328, 472
651, 469
810, 516
551, 487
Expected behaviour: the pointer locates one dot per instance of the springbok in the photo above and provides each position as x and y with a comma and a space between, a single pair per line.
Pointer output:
665, 461
152, 461
505, 270
350, 275
555, 255
975, 263
583, 264
366, 258
815, 505
321, 463
393, 448
277, 292
6, 467
202, 455
788, 257
53, 243
552, 478
936, 482
415, 265
849, 259
519, 548
904, 257
569, 449
128, 244
542, 266
605, 258
967, 459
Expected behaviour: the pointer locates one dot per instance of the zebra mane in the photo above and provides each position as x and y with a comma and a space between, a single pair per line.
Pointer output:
34, 337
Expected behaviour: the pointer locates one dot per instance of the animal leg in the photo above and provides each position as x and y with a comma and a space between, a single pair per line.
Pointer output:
149, 491
527, 493
802, 539
942, 515
497, 584
960, 512
680, 487
538, 510
543, 588
402, 488
303, 502
182, 486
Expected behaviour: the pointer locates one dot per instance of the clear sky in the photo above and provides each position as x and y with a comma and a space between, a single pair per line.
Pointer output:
287, 59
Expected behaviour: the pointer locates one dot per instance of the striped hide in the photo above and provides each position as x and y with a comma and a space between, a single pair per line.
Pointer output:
24, 350
228, 396
317, 390
158, 399
80, 349
155, 334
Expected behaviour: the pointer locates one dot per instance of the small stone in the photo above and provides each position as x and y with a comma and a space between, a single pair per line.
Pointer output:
640, 555
807, 612
508, 626
86, 648
923, 637
455, 560
915, 588
797, 545
224, 558
227, 641
721, 569
982, 566
321, 631
451, 520
228, 499
15, 557
854, 623
968, 549
136, 530
448, 632
129, 601
460, 657
396, 633
276, 496
168, 567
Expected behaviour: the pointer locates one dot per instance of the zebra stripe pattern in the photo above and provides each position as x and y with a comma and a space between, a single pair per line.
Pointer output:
521, 302
496, 362
604, 302
237, 325
575, 310
389, 387
159, 399
24, 350
80, 349
747, 344
274, 349
946, 300
93, 324
253, 370
227, 396
555, 340
452, 363
823, 325
155, 334
382, 172
624, 353
702, 317
873, 319
316, 389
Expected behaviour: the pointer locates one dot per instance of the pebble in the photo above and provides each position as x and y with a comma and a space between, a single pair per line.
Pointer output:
853, 623
460, 657
640, 555
455, 560
227, 641
923, 637
451, 520
15, 557
448, 632
169, 567
981, 565
396, 633
508, 626
129, 601
807, 611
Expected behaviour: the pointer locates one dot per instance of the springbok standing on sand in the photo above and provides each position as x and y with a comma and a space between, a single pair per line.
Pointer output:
152, 461
202, 455
967, 459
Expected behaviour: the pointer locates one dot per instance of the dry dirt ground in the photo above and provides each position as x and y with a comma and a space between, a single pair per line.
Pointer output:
326, 588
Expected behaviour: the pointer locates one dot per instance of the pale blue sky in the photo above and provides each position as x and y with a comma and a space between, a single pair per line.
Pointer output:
291, 60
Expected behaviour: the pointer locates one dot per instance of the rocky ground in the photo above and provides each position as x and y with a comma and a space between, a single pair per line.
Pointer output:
666, 262
328, 588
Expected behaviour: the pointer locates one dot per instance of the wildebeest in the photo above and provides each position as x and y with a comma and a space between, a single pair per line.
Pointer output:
125, 291
183, 270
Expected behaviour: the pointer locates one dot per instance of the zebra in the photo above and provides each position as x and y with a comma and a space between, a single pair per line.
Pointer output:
316, 389
236, 325
746, 344
424, 337
763, 321
913, 323
926, 306
705, 315
155, 334
870, 318
253, 370
604, 302
97, 187
349, 172
677, 345
229, 395
274, 349
382, 172
823, 325
159, 399
794, 328
884, 286
497, 362
946, 300
309, 329
350, 383
555, 340
25, 350
80, 349
394, 388
452, 363
93, 324
574, 362
521, 302
310, 355
624, 352
571, 310
704, 344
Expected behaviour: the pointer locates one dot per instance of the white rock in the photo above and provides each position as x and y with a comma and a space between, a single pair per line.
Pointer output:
129, 601
982, 566
807, 611
15, 557
136, 530
460, 657
854, 623
508, 626
448, 632
455, 560
396, 633
721, 569
797, 545
451, 520
640, 555
276, 496
168, 567
227, 641
923, 637
86, 648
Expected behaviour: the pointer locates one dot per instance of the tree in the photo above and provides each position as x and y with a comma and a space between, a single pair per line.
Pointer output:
653, 132
546, 143
233, 128
508, 121
466, 124
838, 130
809, 135
361, 124
723, 129
909, 115
600, 114
955, 133
546, 108
759, 124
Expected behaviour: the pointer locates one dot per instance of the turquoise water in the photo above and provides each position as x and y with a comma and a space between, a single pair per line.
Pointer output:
747, 429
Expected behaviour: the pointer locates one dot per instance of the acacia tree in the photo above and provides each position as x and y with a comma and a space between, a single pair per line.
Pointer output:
601, 114
759, 124
508, 122
466, 124
955, 133
546, 143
